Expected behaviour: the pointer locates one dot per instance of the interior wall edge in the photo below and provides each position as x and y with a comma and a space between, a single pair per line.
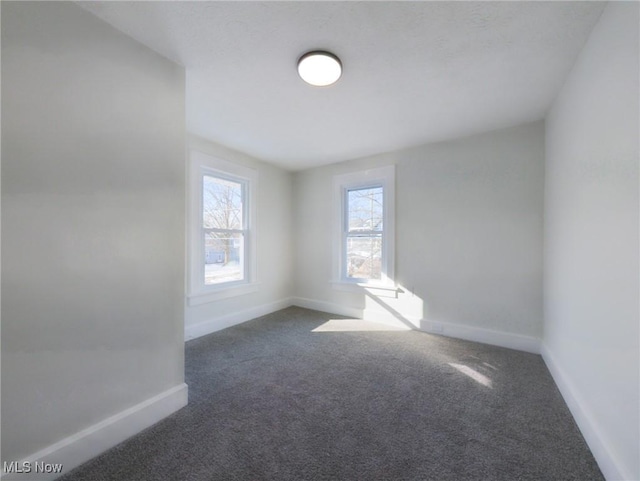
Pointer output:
611, 467
193, 331
84, 445
458, 331
504, 339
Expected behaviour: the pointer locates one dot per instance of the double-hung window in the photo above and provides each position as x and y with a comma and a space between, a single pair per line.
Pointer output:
224, 228
365, 237
222, 233
364, 232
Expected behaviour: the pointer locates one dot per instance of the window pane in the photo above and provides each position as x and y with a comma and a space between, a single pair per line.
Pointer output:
364, 257
364, 209
221, 203
223, 257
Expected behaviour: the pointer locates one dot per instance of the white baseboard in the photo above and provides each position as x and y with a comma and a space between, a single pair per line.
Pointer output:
459, 331
609, 465
329, 307
88, 443
368, 314
484, 336
222, 322
385, 317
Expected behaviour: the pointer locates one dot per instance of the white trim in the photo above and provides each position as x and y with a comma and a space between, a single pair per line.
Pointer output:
386, 317
385, 290
94, 440
200, 329
200, 164
458, 331
328, 307
230, 291
610, 466
381, 176
372, 315
509, 340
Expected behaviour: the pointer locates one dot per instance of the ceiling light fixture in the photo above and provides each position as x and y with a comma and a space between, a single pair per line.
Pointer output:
319, 68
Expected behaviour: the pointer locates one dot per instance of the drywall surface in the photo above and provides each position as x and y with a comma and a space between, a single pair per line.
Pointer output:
93, 213
274, 246
591, 236
468, 234
415, 72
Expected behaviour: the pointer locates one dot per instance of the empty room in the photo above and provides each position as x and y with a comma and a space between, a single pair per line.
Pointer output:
320, 240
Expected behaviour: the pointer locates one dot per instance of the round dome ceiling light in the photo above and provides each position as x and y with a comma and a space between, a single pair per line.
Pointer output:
319, 68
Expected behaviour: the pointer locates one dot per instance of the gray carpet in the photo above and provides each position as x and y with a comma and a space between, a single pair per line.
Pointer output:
272, 400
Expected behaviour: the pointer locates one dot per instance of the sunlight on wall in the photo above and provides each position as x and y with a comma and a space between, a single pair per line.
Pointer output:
401, 307
354, 325
473, 374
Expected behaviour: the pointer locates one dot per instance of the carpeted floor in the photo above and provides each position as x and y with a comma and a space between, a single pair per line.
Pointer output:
296, 396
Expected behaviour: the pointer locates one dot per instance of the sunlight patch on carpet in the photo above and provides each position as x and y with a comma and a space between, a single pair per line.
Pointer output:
473, 374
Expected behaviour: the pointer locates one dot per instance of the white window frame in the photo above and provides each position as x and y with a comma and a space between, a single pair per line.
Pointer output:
378, 177
201, 164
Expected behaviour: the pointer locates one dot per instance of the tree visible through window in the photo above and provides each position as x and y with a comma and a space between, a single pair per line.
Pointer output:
364, 232
224, 229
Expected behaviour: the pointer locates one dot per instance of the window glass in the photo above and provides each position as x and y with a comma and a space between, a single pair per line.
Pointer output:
364, 257
223, 229
223, 254
364, 220
222, 202
365, 211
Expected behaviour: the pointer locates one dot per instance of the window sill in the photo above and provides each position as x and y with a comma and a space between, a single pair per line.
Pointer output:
220, 293
380, 290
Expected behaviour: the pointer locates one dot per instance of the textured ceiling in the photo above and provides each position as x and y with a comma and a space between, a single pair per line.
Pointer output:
414, 72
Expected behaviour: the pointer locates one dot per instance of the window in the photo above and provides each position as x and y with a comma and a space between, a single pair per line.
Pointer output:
364, 242
222, 232
363, 232
224, 228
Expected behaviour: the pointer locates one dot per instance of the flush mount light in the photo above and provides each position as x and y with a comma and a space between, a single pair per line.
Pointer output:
319, 68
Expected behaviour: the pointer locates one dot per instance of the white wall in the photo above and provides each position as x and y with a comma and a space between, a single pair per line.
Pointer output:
93, 171
591, 241
93, 182
274, 243
468, 236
